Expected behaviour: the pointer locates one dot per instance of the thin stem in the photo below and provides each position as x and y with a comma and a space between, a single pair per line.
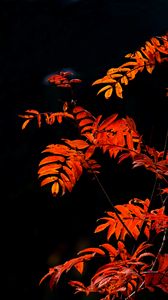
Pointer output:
165, 146
144, 224
164, 201
112, 205
153, 264
153, 190
165, 230
134, 292
160, 249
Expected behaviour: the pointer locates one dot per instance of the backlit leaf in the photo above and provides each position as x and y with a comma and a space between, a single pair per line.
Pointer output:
79, 266
50, 159
108, 121
48, 180
103, 89
33, 111
108, 93
92, 249
25, 124
55, 189
78, 144
118, 89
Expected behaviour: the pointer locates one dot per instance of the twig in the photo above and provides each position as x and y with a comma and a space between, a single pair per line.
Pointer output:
112, 205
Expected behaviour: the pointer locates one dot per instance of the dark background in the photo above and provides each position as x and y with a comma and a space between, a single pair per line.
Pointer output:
39, 38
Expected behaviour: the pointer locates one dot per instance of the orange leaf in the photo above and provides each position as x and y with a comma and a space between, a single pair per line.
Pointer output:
70, 174
77, 109
77, 144
92, 249
130, 63
112, 251
83, 114
124, 209
108, 93
50, 159
86, 128
118, 229
26, 116
101, 227
49, 167
62, 185
67, 182
39, 120
89, 152
33, 111
85, 122
79, 266
105, 79
124, 80
118, 89
48, 180
65, 106
50, 171
59, 119
112, 71
116, 75
55, 189
103, 89
130, 143
76, 167
96, 123
25, 124
150, 68
108, 121
111, 230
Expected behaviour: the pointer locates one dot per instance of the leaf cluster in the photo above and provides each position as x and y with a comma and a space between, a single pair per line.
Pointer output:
126, 272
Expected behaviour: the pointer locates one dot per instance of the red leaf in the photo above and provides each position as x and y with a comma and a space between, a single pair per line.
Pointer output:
101, 227
111, 250
92, 250
83, 114
157, 279
164, 191
79, 266
123, 156
77, 144
89, 152
107, 121
130, 143
85, 122
78, 109
75, 80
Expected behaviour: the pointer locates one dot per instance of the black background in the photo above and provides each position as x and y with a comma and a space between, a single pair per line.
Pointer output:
39, 38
